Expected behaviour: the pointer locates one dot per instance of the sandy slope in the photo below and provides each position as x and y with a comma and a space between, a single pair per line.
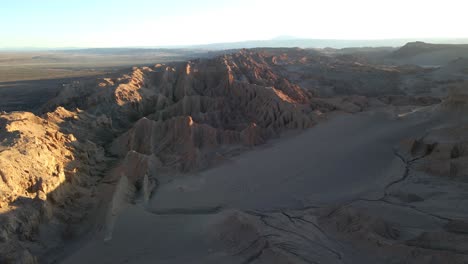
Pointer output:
300, 170
345, 157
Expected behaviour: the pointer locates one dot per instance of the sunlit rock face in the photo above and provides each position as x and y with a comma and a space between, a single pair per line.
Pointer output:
188, 114
46, 174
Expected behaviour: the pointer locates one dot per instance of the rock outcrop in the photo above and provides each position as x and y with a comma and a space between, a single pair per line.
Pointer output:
190, 113
445, 149
46, 175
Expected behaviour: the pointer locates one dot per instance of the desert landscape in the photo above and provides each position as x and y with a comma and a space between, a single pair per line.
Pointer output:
261, 155
28, 79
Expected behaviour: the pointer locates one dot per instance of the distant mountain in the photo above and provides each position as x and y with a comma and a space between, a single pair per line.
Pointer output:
422, 53
419, 47
286, 41
280, 41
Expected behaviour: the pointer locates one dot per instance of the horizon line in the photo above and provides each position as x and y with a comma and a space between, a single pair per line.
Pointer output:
202, 45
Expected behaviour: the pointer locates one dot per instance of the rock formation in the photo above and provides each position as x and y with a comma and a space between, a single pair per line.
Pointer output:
188, 111
176, 117
169, 118
46, 175
429, 54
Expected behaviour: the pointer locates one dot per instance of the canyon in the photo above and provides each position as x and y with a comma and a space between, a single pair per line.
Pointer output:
264, 155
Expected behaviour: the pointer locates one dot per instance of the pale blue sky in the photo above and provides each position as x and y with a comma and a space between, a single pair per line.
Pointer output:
117, 23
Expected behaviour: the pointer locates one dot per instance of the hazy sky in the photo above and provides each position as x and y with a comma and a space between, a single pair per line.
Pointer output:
112, 23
